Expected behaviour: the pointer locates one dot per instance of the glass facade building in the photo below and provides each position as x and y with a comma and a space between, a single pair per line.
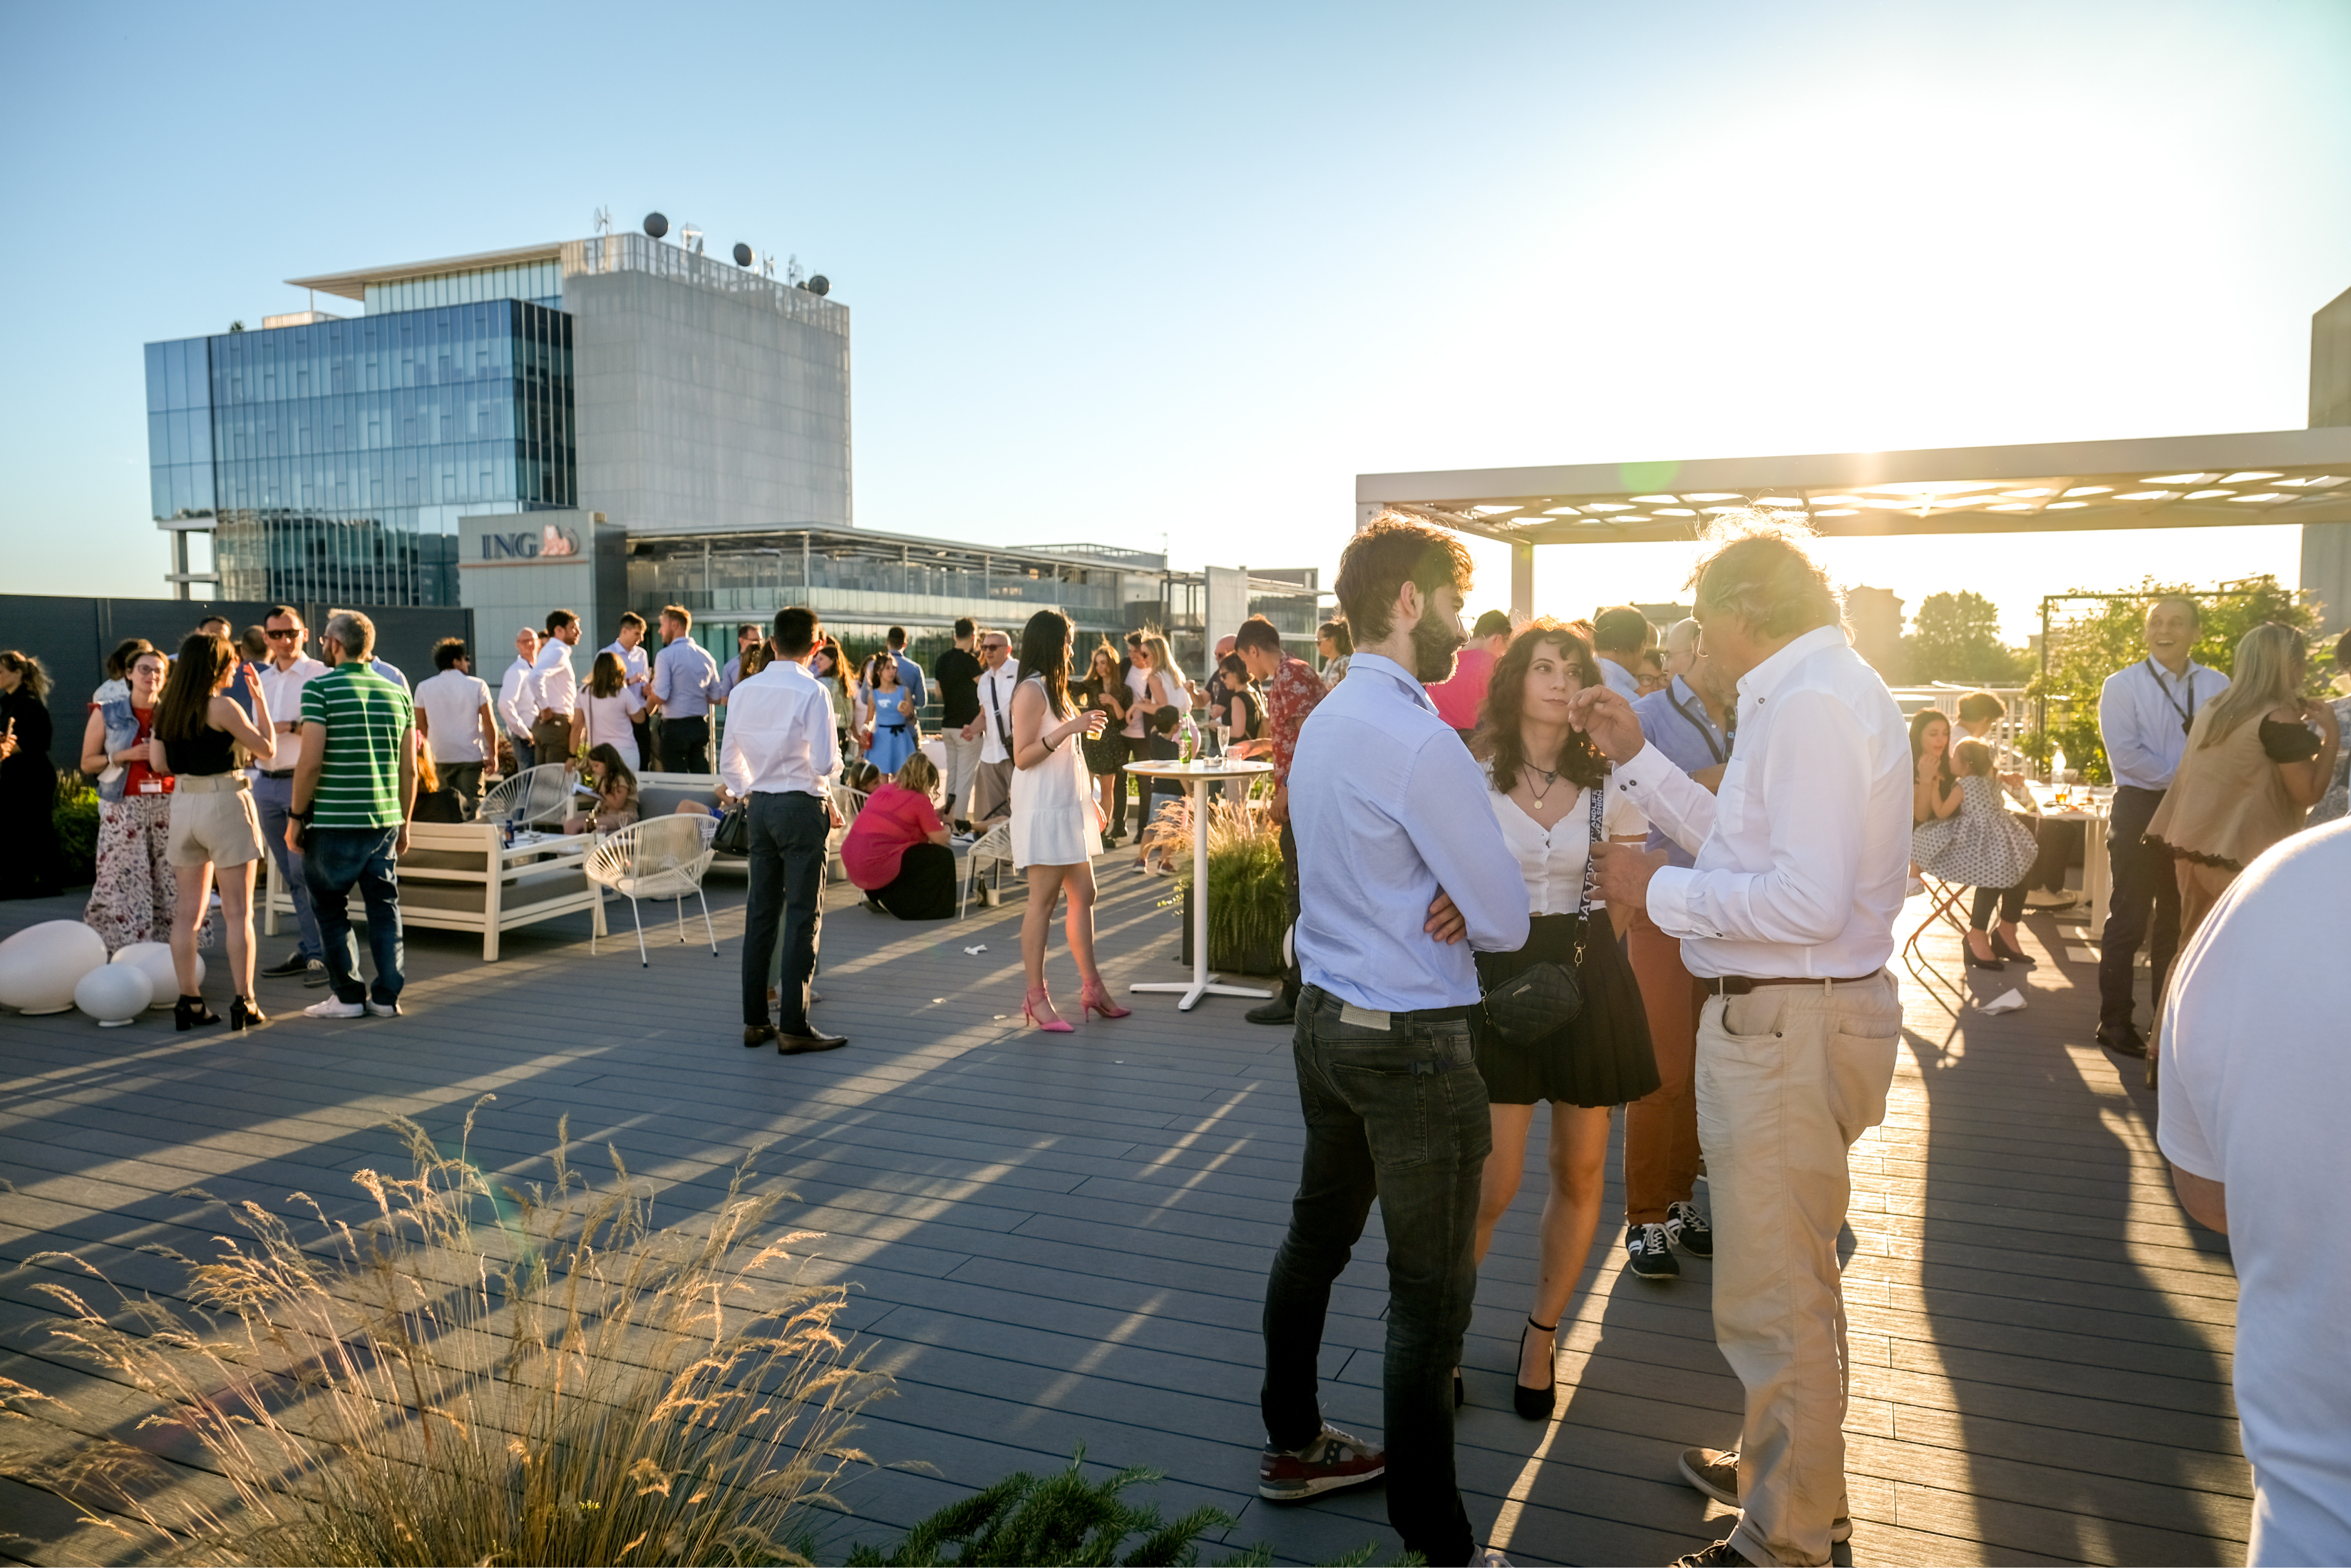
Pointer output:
335, 457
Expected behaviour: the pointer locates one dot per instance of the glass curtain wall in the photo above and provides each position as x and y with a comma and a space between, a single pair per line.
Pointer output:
342, 453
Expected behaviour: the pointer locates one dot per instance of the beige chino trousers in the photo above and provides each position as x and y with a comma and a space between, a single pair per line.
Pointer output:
1788, 1078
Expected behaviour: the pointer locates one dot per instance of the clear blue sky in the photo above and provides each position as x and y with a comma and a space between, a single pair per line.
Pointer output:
1121, 273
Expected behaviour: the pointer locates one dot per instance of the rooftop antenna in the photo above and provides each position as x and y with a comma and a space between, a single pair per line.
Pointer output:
690, 237
604, 220
792, 273
767, 264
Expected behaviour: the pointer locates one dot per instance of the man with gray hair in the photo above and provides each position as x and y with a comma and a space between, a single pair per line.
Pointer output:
516, 696
353, 790
1786, 918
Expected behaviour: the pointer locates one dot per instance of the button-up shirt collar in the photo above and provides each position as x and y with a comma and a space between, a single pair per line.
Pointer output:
1800, 860
1387, 807
686, 680
779, 736
633, 661
2143, 716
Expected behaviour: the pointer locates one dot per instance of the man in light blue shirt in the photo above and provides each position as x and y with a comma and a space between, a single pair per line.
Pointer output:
2144, 712
910, 674
1399, 857
686, 683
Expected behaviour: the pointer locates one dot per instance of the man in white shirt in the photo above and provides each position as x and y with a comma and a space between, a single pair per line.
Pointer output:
282, 680
781, 752
637, 667
1620, 636
554, 690
515, 710
991, 785
1787, 918
2256, 1079
458, 725
2144, 711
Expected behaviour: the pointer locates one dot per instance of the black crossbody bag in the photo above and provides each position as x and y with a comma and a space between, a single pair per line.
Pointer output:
1544, 997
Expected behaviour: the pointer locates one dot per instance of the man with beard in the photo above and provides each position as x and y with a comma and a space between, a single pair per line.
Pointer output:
1383, 801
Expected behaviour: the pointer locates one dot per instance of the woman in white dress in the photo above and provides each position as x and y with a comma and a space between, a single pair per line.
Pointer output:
1055, 823
608, 711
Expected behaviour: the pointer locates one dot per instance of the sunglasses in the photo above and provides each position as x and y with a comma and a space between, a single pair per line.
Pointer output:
295, 633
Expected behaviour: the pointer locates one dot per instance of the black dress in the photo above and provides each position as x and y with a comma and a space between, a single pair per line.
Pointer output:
1603, 1056
32, 862
1105, 753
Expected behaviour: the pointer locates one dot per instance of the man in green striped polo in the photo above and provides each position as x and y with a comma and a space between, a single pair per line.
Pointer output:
352, 794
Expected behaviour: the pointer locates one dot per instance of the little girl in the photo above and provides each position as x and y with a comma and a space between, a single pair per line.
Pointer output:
1981, 845
616, 795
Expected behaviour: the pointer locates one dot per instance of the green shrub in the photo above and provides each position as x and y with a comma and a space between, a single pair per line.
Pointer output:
1059, 1520
75, 815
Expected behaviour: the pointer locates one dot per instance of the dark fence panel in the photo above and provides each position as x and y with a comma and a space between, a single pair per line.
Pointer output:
71, 637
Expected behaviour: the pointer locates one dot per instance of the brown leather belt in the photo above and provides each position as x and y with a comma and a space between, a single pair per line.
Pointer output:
1739, 985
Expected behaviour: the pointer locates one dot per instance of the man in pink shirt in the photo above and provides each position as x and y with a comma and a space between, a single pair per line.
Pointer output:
1457, 700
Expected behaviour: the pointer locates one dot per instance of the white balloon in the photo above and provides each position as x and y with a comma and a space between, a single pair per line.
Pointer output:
40, 965
154, 960
114, 994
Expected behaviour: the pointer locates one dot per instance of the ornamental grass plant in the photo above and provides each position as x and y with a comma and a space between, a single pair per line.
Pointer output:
476, 1373
1249, 904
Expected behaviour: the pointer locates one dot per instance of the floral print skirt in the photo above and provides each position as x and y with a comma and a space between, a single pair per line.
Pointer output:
134, 895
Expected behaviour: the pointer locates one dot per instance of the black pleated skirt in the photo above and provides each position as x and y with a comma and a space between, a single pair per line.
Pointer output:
1601, 1057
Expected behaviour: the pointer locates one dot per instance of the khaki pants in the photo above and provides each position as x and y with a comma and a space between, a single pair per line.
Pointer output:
963, 758
1661, 1128
992, 792
1788, 1078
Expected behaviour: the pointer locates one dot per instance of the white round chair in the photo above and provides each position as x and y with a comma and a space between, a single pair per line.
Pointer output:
153, 959
41, 964
115, 994
661, 857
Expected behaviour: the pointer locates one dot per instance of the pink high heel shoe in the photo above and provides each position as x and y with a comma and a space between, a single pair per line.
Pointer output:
1028, 1010
1095, 998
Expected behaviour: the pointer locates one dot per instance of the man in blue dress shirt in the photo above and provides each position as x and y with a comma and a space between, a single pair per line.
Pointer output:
1398, 858
686, 683
2144, 711
1689, 721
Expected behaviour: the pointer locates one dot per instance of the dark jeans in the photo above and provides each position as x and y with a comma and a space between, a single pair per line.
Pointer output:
1289, 976
2144, 884
1398, 1113
788, 834
333, 861
685, 745
274, 797
925, 888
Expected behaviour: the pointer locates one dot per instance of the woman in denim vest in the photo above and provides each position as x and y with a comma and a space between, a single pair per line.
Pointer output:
134, 895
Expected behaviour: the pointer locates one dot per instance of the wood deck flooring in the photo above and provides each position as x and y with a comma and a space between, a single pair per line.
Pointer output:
1057, 1240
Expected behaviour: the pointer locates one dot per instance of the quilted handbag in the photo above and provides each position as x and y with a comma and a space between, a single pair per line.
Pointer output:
1544, 997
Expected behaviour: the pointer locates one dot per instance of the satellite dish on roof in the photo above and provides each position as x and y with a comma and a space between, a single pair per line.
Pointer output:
820, 284
656, 224
742, 255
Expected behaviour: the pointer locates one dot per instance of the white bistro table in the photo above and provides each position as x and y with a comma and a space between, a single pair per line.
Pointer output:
1194, 776
2089, 808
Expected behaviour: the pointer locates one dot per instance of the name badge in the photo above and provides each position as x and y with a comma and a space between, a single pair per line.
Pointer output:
1362, 1018
150, 785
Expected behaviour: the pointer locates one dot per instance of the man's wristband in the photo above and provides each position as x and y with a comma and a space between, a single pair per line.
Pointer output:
301, 817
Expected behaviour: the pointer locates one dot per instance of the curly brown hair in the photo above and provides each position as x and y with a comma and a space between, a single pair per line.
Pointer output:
1500, 716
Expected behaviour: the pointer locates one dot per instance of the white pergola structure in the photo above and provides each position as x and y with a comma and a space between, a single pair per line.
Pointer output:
2173, 481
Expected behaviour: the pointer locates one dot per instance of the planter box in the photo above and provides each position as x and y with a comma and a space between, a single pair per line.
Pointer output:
1254, 960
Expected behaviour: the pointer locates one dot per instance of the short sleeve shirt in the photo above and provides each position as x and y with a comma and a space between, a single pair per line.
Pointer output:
1289, 696
363, 717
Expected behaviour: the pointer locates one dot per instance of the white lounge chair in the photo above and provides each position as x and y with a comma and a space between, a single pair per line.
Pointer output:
535, 795
994, 845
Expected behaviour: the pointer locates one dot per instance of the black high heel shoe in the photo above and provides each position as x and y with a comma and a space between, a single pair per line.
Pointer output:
1535, 1404
244, 1015
1976, 962
189, 1011
2005, 953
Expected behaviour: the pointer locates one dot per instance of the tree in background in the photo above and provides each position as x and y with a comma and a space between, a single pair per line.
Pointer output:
1958, 639
2105, 637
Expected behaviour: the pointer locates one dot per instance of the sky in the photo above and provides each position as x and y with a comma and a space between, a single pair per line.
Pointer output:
1130, 274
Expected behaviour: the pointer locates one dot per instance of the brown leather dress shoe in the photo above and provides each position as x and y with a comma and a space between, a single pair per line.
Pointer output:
788, 1044
757, 1034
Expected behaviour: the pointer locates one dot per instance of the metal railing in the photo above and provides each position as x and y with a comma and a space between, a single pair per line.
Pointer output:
641, 253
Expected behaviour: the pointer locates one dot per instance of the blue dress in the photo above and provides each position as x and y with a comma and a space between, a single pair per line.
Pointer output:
892, 743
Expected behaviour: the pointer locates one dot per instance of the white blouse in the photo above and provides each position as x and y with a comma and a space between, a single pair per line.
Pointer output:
1552, 863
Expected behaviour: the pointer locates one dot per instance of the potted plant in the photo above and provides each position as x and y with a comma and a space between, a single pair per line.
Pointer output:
1248, 902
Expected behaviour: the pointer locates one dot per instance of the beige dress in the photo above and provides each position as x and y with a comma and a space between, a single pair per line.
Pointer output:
2225, 805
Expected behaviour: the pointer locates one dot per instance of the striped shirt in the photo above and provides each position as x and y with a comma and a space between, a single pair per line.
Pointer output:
364, 717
